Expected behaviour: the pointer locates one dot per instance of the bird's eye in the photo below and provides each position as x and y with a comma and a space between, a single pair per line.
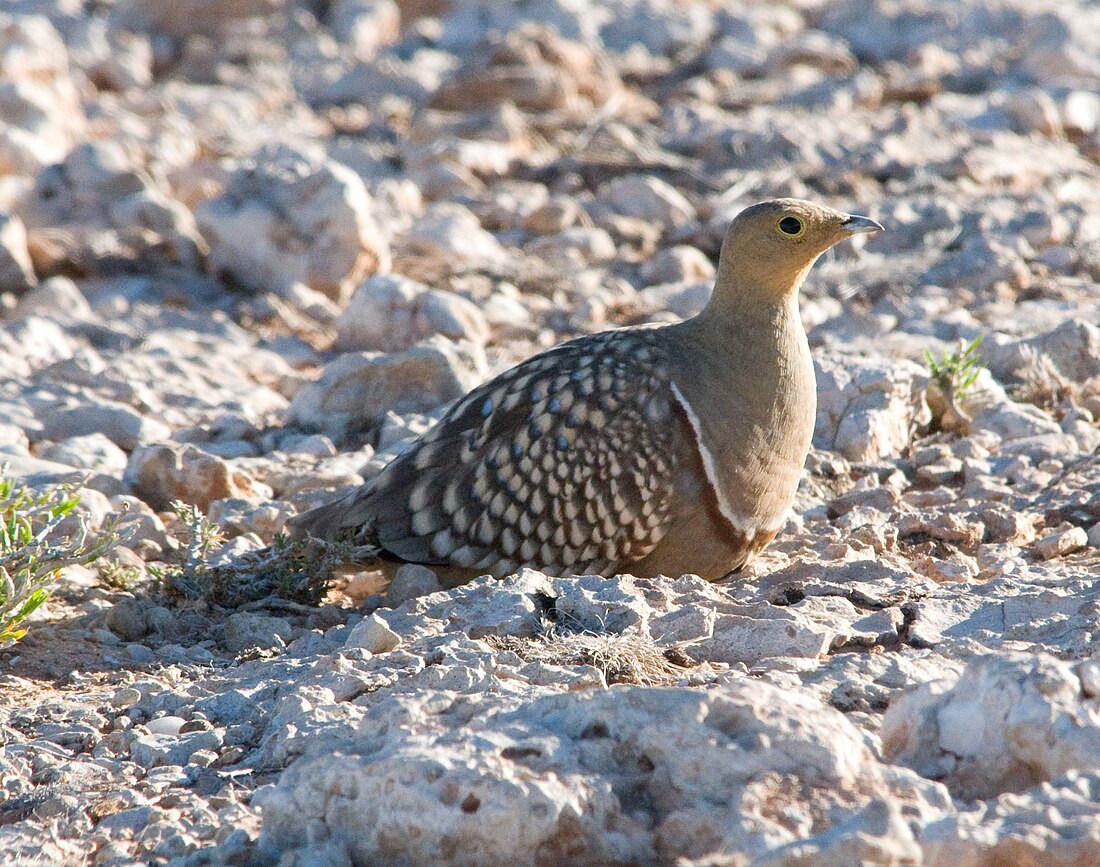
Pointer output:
791, 226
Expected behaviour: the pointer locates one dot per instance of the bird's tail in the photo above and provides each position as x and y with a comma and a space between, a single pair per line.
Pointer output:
342, 520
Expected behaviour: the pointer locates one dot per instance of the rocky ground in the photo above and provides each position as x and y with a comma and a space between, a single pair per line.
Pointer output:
248, 249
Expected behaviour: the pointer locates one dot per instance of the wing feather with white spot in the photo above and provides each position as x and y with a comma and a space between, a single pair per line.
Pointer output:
563, 463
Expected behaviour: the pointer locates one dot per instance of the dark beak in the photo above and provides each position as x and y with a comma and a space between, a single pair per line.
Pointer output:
857, 225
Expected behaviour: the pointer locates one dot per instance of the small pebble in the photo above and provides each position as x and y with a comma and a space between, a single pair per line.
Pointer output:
140, 653
230, 755
165, 725
203, 758
1061, 542
126, 696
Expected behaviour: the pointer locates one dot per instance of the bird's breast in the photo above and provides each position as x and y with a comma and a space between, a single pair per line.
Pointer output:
752, 420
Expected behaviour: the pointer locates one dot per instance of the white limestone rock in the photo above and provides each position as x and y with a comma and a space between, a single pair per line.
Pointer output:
42, 116
292, 216
1054, 824
680, 773
365, 25
866, 411
160, 474
646, 198
358, 388
57, 298
101, 207
93, 451
122, 425
451, 233
1008, 722
1073, 347
389, 313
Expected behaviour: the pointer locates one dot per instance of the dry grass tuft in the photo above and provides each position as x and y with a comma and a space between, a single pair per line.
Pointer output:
625, 657
1042, 383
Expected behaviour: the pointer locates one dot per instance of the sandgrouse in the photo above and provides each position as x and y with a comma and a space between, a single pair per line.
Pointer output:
649, 450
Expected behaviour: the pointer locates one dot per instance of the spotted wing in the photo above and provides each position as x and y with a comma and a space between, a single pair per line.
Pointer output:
563, 463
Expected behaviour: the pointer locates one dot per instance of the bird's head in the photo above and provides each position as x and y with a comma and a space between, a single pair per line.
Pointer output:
771, 246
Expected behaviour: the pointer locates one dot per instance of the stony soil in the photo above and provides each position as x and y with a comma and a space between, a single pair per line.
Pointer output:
248, 249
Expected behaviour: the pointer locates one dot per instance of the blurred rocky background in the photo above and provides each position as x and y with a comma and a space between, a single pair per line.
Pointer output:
248, 248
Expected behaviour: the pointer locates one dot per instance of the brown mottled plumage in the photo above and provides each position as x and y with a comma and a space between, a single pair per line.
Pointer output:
651, 450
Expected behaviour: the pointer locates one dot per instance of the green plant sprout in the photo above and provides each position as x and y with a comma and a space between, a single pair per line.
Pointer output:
32, 553
956, 372
119, 577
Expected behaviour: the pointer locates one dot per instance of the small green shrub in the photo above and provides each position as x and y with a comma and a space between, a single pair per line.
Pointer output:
298, 571
119, 577
32, 553
956, 372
